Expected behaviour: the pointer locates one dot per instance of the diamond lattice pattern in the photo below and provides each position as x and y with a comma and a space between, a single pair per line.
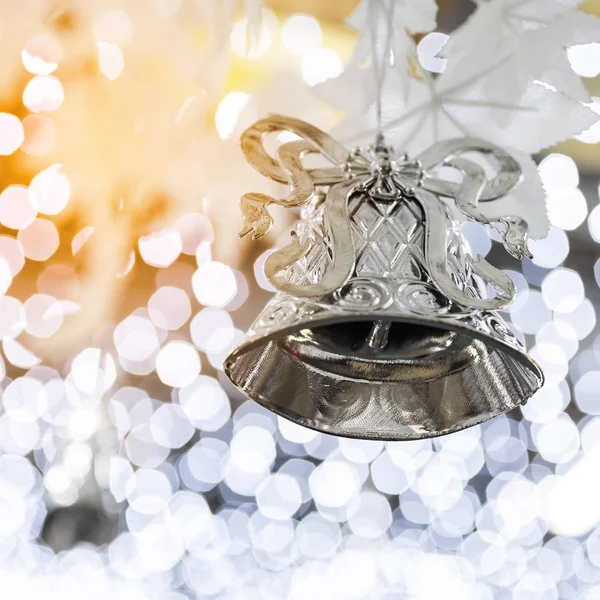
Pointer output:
388, 237
389, 241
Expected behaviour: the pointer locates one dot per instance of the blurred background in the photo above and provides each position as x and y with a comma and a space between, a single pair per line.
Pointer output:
129, 466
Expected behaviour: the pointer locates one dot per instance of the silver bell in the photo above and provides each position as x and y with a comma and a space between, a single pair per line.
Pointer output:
381, 327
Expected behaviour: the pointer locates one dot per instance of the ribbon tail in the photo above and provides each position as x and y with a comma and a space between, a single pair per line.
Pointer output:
468, 196
280, 260
255, 216
515, 237
341, 266
437, 261
501, 282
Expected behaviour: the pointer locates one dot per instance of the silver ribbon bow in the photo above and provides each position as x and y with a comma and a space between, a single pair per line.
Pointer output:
378, 170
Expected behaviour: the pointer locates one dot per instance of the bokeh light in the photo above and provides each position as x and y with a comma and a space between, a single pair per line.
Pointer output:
44, 93
39, 239
160, 249
321, 64
251, 39
228, 113
40, 135
130, 467
50, 190
301, 34
17, 207
12, 133
110, 60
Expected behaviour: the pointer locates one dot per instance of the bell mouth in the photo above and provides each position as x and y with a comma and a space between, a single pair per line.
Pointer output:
386, 380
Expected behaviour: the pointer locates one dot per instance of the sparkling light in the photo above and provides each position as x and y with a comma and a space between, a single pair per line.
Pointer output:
148, 491
50, 190
243, 42
170, 428
553, 361
372, 517
110, 60
5, 276
40, 134
12, 134
278, 496
160, 249
24, 399
18, 355
557, 440
428, 51
12, 317
563, 290
477, 237
93, 371
113, 26
317, 537
587, 393
169, 308
228, 112
561, 333
582, 319
259, 271
552, 250
388, 477
295, 433
17, 207
334, 484
43, 315
203, 466
42, 54
558, 171
569, 503
320, 65
39, 240
301, 34
585, 59
143, 450
567, 208
529, 311
178, 364
194, 229
360, 451
214, 284
205, 403
80, 239
212, 330
183, 488
12, 252
43, 93
252, 450
135, 338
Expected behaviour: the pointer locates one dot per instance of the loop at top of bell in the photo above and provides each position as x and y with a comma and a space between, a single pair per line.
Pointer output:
381, 327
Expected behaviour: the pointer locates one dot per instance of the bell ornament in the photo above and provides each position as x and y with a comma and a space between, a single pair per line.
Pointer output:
382, 326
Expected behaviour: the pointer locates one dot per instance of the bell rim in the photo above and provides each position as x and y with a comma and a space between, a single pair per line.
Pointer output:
262, 339
457, 326
262, 401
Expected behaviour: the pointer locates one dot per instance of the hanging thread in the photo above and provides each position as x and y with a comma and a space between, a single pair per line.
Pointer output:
376, 10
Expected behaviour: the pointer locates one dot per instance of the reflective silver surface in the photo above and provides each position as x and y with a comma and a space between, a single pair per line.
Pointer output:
386, 398
387, 177
381, 327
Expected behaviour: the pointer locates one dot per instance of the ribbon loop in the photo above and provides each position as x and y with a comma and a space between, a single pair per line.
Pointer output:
262, 161
354, 171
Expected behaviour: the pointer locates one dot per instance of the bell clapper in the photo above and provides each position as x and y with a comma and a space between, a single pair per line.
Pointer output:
378, 337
